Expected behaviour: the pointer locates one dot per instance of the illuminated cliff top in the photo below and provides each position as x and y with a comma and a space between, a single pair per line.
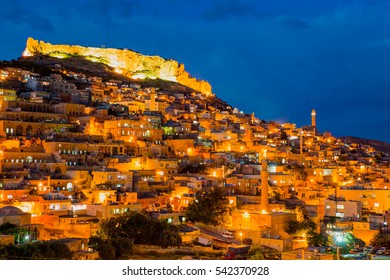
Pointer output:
126, 62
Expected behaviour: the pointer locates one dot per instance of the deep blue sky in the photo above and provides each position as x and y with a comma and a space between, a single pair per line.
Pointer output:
278, 58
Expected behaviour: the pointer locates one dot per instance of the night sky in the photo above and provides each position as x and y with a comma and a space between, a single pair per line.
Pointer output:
278, 58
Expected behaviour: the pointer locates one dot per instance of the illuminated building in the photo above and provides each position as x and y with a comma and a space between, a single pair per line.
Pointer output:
264, 186
313, 118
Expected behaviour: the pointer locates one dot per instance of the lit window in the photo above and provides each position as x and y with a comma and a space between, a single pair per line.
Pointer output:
54, 207
340, 206
376, 204
327, 206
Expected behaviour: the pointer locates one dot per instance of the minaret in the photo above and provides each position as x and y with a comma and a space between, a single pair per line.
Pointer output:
48, 183
264, 186
301, 143
313, 118
153, 101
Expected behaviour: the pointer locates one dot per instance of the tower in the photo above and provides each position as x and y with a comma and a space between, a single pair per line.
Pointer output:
313, 118
264, 186
153, 101
301, 143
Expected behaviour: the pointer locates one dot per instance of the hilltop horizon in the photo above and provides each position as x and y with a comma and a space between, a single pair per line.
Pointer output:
33, 45
285, 57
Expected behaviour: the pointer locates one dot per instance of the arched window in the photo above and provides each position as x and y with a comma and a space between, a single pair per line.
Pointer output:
29, 130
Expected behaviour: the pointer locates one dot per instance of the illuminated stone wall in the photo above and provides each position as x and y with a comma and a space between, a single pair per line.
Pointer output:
125, 62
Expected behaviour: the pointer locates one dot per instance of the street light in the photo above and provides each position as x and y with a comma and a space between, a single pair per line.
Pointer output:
240, 234
25, 239
339, 238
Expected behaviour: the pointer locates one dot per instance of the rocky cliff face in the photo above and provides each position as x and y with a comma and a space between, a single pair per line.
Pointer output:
125, 62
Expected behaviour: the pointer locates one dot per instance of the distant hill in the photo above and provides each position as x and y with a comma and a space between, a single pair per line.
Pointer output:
378, 145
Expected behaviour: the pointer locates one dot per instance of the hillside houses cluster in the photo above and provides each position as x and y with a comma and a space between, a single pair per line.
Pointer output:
76, 149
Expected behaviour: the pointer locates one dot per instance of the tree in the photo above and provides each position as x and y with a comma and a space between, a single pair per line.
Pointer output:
381, 239
111, 248
303, 223
141, 229
209, 207
316, 239
293, 227
298, 170
37, 251
4, 228
103, 246
132, 225
301, 213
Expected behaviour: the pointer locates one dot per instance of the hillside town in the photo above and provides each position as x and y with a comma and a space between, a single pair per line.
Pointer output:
77, 150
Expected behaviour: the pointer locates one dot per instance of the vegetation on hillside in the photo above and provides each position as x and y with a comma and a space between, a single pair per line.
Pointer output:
209, 207
117, 235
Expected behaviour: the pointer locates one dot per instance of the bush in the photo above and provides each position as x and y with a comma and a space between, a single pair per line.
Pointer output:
264, 253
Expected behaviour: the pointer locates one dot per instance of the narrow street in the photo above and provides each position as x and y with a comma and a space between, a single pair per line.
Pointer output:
215, 234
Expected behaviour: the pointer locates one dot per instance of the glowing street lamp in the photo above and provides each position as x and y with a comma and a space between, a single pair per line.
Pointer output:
22, 239
240, 234
339, 239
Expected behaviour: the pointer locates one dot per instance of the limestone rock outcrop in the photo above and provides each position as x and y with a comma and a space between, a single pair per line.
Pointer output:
126, 62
